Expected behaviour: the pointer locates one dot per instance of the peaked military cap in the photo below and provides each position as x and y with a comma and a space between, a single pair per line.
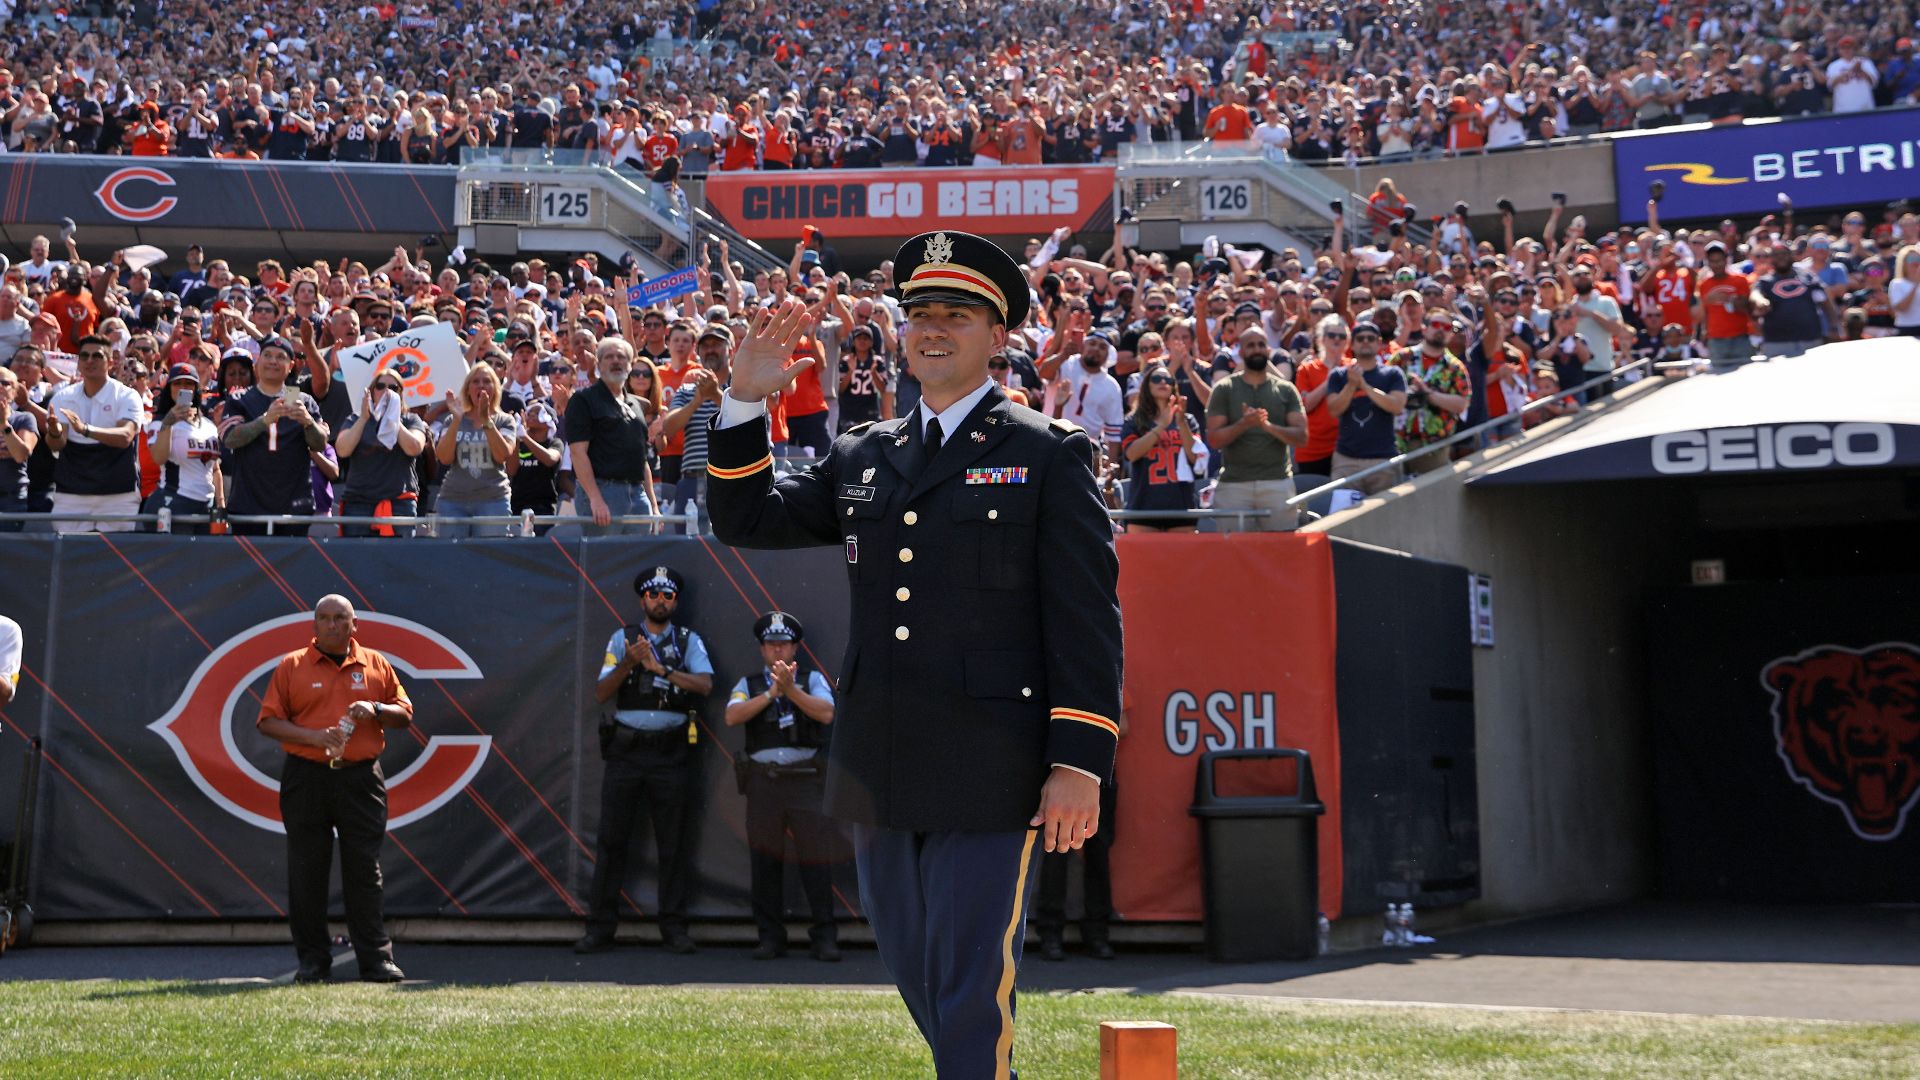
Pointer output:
961, 268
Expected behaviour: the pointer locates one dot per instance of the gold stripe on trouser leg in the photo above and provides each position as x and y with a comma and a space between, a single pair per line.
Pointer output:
1003, 1050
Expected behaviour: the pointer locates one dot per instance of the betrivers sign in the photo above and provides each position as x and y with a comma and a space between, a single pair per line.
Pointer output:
1762, 448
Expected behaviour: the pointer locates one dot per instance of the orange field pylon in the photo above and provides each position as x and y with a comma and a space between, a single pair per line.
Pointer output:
1138, 1050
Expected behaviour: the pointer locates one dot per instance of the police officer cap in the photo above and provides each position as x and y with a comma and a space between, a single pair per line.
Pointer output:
961, 268
660, 577
778, 626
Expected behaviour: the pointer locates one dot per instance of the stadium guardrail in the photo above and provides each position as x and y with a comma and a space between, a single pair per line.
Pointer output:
689, 521
1300, 500
1236, 183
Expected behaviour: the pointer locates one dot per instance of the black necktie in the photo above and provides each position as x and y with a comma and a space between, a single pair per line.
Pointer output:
934, 438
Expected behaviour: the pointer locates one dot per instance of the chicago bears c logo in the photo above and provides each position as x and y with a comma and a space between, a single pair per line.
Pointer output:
1847, 723
199, 727
109, 194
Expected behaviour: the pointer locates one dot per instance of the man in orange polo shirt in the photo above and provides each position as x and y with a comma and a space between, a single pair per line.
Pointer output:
332, 782
1230, 121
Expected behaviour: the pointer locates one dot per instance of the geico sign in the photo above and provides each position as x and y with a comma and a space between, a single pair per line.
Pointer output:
1232, 721
833, 200
1786, 446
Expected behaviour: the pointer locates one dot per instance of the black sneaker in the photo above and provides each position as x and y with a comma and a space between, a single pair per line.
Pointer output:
386, 971
827, 952
677, 941
769, 949
594, 943
312, 973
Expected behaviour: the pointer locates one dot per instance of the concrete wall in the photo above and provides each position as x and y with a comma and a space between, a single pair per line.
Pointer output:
1584, 171
1565, 778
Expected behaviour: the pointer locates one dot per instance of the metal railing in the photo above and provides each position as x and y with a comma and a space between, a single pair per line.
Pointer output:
1196, 515
1467, 433
1308, 190
689, 520
1677, 127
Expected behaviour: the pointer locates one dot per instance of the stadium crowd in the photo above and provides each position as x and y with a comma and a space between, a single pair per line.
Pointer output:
199, 386
725, 85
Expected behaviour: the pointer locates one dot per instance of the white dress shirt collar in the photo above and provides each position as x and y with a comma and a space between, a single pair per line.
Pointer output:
953, 415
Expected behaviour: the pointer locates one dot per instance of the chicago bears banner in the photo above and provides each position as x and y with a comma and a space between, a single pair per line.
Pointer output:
1786, 731
898, 203
146, 657
217, 194
1852, 160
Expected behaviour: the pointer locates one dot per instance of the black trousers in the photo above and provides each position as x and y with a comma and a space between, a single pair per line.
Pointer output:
656, 780
1050, 907
316, 803
777, 805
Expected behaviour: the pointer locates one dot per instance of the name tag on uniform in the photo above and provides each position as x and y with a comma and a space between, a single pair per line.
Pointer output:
1016, 474
858, 492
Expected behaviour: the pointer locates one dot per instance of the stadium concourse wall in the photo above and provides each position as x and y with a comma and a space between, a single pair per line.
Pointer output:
146, 657
1566, 782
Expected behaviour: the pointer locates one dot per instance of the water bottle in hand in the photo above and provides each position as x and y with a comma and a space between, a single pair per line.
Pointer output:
334, 760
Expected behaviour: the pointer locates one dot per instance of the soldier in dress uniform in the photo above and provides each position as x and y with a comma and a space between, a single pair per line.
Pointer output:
978, 695
655, 673
786, 707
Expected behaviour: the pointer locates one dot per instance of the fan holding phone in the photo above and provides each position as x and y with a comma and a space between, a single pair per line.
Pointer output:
186, 446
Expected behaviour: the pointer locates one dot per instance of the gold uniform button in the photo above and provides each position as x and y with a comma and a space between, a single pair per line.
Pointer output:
993, 515
1026, 691
849, 511
902, 593
910, 517
906, 554
900, 632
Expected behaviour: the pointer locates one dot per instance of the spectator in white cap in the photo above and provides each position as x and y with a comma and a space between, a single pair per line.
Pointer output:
539, 450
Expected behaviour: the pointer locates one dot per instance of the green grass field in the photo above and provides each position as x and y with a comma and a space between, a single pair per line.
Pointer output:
87, 1029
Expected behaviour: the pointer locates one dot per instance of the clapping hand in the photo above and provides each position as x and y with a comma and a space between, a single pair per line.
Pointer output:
760, 366
783, 678
640, 654
456, 405
706, 386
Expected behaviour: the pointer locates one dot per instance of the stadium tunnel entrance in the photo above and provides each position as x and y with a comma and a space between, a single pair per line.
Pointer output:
1705, 676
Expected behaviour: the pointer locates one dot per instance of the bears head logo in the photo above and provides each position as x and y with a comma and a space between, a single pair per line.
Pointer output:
1847, 724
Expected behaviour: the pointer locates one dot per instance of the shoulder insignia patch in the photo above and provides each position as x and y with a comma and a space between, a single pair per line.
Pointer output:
1062, 424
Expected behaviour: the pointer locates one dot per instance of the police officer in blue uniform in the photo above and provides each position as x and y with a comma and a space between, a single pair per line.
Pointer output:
787, 709
655, 673
978, 696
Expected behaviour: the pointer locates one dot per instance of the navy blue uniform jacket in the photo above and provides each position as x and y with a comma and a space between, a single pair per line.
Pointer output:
985, 644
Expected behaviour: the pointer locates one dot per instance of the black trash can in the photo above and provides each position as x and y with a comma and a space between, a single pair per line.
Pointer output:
1259, 854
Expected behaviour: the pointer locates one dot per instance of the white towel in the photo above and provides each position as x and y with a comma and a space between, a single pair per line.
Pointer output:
386, 412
